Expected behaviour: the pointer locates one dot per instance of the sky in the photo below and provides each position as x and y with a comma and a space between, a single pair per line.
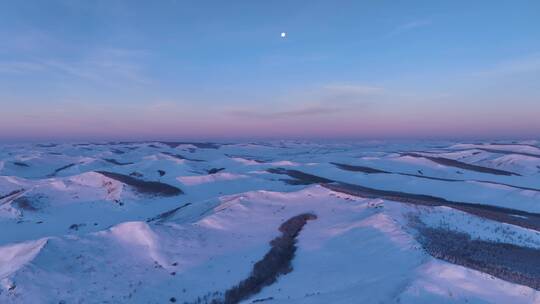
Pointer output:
220, 70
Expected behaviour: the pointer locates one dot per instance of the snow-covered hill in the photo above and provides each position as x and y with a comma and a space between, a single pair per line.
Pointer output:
275, 222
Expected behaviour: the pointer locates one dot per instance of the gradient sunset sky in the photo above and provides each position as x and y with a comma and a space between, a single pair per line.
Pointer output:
211, 70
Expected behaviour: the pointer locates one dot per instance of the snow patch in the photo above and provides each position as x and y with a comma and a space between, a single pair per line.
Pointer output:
245, 161
210, 178
140, 235
15, 256
459, 283
284, 163
391, 228
112, 187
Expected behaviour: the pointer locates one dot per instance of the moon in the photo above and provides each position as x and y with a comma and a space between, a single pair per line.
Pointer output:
283, 35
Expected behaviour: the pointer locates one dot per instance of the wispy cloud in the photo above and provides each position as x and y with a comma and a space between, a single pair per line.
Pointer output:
104, 65
326, 100
530, 63
20, 67
347, 94
409, 26
100, 70
304, 112
353, 89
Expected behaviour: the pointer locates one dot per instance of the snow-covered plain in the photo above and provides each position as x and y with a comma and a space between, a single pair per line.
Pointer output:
161, 222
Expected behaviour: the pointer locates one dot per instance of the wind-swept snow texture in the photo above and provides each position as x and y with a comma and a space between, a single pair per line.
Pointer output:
270, 222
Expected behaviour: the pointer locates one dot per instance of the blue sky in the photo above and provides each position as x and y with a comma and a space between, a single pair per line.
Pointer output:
219, 69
